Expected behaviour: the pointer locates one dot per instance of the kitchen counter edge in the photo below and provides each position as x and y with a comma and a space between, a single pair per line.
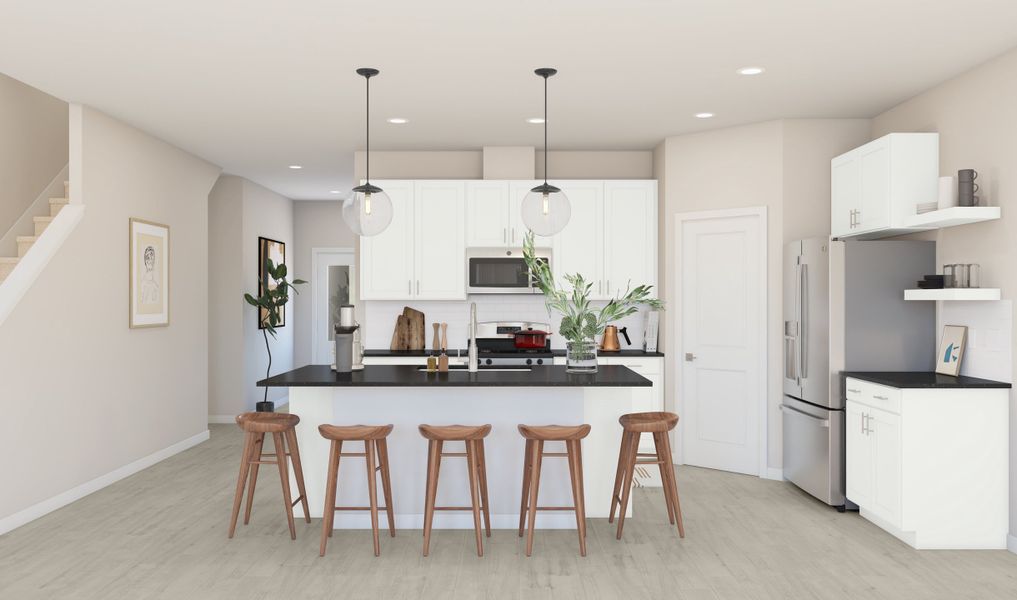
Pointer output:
924, 380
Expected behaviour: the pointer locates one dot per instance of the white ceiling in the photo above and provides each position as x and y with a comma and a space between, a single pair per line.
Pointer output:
257, 85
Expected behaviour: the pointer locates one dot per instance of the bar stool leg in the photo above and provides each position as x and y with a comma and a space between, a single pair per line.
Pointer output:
241, 481
674, 485
331, 515
433, 461
298, 471
257, 450
372, 492
329, 510
582, 487
280, 455
471, 465
571, 450
664, 462
527, 463
386, 484
482, 474
619, 476
538, 454
630, 466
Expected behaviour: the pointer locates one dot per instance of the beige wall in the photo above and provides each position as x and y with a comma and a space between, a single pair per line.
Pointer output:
782, 165
240, 211
315, 225
33, 146
976, 117
83, 394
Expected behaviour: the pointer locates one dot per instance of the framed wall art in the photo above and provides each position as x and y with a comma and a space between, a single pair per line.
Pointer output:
276, 251
149, 274
951, 350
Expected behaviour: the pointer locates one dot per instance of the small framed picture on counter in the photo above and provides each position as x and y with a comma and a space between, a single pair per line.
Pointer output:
951, 350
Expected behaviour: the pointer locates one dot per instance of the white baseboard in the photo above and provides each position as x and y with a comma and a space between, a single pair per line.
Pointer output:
1011, 543
76, 493
774, 474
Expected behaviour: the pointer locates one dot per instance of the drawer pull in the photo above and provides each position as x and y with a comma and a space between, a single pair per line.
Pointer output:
854, 391
880, 397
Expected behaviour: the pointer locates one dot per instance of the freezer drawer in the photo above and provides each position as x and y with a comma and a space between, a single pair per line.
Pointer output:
814, 449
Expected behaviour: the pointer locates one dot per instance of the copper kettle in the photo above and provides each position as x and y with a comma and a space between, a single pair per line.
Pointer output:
610, 342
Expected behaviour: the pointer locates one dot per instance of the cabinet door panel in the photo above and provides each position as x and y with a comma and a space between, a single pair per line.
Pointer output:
875, 207
630, 235
859, 457
846, 190
440, 248
886, 501
579, 248
517, 229
386, 259
487, 211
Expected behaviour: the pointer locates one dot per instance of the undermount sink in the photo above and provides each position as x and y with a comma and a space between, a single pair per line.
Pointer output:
487, 369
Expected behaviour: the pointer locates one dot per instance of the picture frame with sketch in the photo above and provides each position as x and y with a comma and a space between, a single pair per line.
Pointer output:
149, 277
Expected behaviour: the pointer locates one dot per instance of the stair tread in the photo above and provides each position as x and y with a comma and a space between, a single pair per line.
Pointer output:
42, 219
27, 238
58, 200
9, 259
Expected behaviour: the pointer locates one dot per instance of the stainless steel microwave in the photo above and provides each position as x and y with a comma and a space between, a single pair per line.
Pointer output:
500, 271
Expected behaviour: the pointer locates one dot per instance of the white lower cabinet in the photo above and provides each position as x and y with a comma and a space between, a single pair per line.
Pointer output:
930, 465
649, 399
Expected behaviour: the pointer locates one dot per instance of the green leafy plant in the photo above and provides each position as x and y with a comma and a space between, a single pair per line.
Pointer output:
270, 304
581, 320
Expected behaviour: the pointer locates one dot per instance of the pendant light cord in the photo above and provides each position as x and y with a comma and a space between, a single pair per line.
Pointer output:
545, 129
367, 128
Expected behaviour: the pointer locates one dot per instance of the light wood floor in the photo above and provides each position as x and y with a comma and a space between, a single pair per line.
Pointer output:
162, 534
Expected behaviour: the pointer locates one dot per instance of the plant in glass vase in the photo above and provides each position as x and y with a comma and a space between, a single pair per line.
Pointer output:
274, 294
581, 321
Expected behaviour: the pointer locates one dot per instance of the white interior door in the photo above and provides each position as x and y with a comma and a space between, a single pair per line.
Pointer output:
334, 284
722, 291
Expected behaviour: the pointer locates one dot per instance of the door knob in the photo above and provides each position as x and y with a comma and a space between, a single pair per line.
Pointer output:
689, 357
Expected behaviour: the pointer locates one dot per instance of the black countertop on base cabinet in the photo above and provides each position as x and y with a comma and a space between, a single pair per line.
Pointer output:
412, 376
923, 379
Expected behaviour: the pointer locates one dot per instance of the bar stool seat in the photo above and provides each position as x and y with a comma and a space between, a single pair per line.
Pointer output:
535, 436
473, 436
634, 424
281, 426
375, 450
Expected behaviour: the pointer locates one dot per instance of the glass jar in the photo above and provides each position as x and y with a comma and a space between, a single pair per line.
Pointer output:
949, 276
962, 276
974, 275
581, 356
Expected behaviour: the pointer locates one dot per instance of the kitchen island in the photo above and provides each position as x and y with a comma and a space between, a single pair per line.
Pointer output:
407, 396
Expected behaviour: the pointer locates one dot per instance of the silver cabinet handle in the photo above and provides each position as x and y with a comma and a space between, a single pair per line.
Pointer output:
880, 397
409, 287
608, 286
689, 357
854, 391
418, 287
513, 235
504, 235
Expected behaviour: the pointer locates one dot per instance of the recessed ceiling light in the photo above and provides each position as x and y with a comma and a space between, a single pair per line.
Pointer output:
704, 115
296, 167
750, 70
535, 120
398, 120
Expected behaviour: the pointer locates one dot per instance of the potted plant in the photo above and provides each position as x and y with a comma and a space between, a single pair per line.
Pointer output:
582, 322
275, 293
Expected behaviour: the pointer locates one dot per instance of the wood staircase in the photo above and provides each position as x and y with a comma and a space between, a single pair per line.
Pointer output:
25, 242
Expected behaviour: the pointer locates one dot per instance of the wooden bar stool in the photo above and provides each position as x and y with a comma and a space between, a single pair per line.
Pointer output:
635, 424
281, 426
375, 451
473, 436
535, 438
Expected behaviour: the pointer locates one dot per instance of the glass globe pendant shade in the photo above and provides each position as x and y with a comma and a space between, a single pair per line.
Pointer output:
368, 211
546, 210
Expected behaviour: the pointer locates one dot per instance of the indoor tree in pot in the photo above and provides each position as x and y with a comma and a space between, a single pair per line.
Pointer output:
581, 322
272, 300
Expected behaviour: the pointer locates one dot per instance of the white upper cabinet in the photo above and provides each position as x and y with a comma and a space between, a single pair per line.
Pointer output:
439, 240
579, 248
630, 235
487, 211
876, 188
422, 253
386, 259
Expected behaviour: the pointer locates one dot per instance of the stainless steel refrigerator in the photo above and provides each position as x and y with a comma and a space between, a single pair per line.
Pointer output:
844, 310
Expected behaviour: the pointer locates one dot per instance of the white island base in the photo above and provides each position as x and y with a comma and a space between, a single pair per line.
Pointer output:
503, 407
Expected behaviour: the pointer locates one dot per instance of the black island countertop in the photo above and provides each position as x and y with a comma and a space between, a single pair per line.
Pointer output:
412, 376
923, 379
462, 352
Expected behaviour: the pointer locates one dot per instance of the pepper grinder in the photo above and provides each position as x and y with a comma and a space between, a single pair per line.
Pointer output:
444, 337
436, 344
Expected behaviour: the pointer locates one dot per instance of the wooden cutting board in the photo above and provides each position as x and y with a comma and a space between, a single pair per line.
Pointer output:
415, 328
400, 335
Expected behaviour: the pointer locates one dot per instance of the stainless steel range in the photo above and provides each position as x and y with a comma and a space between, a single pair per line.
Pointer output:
508, 343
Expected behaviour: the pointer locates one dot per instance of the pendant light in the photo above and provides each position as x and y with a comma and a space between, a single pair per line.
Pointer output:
546, 210
368, 211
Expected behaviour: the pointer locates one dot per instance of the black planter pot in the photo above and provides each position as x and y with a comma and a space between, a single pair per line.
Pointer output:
268, 406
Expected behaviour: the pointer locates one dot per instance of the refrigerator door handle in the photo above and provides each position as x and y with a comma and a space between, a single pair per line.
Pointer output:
803, 318
824, 423
798, 323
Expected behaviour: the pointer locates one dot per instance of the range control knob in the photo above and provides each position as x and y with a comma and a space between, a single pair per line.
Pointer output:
529, 361
488, 361
540, 361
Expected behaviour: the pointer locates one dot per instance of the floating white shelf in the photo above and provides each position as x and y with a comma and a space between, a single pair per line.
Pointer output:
957, 215
953, 294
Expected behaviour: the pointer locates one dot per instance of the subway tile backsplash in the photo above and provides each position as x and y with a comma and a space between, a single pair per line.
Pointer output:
380, 318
